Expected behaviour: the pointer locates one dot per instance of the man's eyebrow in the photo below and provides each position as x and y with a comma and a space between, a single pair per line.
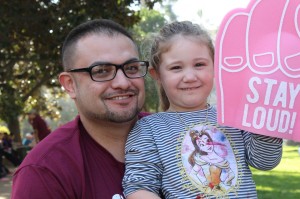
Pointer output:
106, 62
131, 60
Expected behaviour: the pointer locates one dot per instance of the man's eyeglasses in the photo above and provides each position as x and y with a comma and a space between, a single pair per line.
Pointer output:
103, 71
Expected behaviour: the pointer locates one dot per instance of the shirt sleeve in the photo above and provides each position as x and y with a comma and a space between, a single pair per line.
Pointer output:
262, 152
143, 166
35, 182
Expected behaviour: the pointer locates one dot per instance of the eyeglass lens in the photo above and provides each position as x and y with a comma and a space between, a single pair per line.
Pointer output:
103, 72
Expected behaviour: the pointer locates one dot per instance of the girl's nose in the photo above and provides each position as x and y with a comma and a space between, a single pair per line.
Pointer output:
189, 75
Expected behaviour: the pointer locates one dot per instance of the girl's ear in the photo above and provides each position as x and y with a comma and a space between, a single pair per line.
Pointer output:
154, 74
67, 81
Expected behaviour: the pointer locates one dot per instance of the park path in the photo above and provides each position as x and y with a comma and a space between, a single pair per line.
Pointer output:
5, 183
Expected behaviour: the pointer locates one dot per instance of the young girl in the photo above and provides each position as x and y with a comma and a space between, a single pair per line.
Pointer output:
182, 152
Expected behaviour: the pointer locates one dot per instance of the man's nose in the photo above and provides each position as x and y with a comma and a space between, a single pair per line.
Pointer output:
121, 81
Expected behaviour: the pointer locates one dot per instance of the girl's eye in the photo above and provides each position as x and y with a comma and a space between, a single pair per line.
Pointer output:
199, 64
175, 68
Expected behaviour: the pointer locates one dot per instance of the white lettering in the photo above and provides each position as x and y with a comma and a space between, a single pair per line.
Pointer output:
259, 112
293, 93
284, 121
245, 123
255, 97
278, 120
269, 120
281, 95
276, 93
270, 84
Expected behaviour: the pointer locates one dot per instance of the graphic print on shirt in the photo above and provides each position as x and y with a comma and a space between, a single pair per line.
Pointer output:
208, 161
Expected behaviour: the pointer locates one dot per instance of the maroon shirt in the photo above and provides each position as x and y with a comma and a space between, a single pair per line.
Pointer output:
68, 164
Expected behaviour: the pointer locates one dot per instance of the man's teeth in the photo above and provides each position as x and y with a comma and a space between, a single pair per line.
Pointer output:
120, 97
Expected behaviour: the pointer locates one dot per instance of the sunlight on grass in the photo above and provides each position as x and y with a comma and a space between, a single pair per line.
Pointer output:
283, 181
264, 188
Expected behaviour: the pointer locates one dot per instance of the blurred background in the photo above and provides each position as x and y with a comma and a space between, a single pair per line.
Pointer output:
31, 35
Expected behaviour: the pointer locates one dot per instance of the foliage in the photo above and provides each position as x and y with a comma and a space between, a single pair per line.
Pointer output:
4, 129
31, 34
151, 21
283, 181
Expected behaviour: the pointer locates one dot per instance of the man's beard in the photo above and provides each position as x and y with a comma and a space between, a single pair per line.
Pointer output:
124, 116
115, 116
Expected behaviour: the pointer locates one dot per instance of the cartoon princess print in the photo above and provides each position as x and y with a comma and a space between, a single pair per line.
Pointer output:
207, 165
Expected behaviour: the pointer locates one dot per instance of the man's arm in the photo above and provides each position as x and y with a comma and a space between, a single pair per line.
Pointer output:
35, 182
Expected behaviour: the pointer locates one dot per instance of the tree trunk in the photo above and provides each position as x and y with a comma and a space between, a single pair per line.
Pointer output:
14, 127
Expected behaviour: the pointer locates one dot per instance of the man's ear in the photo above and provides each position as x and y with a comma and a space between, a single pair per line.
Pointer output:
67, 81
154, 74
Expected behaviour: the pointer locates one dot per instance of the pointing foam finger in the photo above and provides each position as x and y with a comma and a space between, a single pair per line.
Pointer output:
289, 51
232, 48
263, 35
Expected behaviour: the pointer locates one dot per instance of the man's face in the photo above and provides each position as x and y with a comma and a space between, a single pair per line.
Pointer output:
117, 100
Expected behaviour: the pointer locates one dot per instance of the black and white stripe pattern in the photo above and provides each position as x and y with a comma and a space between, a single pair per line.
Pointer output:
152, 155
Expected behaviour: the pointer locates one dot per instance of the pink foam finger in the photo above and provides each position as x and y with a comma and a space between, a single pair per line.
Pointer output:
232, 43
231, 53
263, 35
289, 50
257, 67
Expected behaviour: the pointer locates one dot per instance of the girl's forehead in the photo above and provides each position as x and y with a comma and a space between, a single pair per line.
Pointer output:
181, 37
177, 40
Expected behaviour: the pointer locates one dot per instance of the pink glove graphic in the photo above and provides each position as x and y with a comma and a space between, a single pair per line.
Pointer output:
257, 67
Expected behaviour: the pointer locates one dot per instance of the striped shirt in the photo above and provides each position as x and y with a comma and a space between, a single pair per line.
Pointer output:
186, 155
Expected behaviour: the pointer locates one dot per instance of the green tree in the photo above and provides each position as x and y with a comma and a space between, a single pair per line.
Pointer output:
151, 22
31, 34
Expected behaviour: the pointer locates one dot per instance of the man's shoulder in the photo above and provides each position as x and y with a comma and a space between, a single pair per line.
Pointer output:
56, 160
64, 141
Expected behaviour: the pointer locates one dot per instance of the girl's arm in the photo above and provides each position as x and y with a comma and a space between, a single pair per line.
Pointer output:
143, 172
143, 194
262, 152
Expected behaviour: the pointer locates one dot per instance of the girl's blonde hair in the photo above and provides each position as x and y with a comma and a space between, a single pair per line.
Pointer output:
162, 41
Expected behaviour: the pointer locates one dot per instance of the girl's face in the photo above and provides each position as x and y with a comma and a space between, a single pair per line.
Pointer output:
186, 74
204, 144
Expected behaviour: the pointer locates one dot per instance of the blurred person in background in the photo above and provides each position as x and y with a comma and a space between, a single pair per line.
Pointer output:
39, 125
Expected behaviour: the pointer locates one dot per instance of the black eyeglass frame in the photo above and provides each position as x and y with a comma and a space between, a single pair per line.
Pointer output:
118, 66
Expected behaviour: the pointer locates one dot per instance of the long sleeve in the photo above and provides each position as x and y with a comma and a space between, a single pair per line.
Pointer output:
143, 166
262, 152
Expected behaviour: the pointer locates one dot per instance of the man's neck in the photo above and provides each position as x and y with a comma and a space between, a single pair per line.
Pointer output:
111, 136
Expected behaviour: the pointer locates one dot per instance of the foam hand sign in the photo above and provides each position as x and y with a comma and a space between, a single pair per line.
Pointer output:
257, 68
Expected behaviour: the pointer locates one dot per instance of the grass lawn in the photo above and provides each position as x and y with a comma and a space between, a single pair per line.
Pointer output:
283, 181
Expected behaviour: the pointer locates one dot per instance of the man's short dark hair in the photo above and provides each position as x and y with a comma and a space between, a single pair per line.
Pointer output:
102, 26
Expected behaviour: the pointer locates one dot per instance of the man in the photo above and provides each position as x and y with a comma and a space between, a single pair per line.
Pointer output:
85, 158
39, 125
